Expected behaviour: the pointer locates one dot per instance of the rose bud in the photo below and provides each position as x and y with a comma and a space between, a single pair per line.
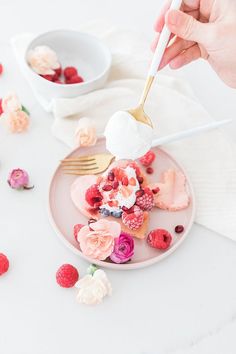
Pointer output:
19, 179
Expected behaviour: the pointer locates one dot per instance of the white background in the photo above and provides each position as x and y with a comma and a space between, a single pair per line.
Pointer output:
186, 304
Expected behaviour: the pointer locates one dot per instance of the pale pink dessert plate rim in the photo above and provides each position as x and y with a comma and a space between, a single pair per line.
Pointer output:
125, 266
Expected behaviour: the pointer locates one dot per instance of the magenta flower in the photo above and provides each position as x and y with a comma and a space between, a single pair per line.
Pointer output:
123, 249
19, 179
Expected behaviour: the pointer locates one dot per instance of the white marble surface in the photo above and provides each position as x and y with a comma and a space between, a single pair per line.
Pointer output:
184, 305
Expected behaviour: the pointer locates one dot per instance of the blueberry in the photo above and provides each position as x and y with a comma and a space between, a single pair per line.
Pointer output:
105, 212
116, 214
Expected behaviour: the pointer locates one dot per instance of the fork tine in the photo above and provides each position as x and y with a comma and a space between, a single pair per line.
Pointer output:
75, 168
78, 164
80, 159
81, 172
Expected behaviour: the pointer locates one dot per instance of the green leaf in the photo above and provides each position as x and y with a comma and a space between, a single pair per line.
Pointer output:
24, 109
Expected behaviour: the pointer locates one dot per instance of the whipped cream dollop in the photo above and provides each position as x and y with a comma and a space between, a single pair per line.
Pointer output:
126, 138
125, 196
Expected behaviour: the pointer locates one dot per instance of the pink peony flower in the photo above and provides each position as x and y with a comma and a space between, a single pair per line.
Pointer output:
85, 134
123, 249
43, 60
11, 103
97, 240
18, 121
19, 179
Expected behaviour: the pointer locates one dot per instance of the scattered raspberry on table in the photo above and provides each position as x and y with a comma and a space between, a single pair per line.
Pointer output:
4, 264
1, 68
67, 275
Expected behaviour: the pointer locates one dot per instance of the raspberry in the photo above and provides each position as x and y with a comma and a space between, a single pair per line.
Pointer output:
58, 72
4, 264
1, 110
1, 68
149, 170
67, 275
49, 77
159, 238
58, 81
179, 229
76, 79
148, 158
93, 196
133, 220
146, 200
70, 71
77, 228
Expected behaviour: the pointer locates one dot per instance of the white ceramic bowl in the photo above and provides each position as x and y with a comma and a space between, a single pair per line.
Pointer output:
84, 51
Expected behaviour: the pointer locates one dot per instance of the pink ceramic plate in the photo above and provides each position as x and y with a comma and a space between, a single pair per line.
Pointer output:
64, 215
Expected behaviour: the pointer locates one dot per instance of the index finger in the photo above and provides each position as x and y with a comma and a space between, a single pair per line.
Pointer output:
187, 6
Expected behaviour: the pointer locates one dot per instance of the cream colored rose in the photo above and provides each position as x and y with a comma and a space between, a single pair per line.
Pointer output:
43, 60
85, 134
11, 103
18, 122
93, 288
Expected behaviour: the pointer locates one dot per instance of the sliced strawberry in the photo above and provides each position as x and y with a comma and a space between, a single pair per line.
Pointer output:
148, 158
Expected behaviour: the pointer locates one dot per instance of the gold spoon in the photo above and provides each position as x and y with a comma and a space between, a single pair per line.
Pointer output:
138, 112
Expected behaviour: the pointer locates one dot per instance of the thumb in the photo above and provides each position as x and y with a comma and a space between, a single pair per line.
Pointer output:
185, 26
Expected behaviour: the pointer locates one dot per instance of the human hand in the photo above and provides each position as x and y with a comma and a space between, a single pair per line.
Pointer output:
203, 29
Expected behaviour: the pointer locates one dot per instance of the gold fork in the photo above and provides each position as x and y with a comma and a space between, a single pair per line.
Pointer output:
85, 165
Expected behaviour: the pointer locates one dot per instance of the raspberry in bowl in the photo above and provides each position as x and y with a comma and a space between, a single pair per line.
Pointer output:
78, 63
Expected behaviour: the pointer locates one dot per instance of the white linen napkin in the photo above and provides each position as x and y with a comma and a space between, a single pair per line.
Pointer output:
209, 159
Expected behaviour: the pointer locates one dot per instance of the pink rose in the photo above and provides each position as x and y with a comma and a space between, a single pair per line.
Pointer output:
19, 179
18, 121
97, 240
85, 134
123, 249
11, 103
43, 60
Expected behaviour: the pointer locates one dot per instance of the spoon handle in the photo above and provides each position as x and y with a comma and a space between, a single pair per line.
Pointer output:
162, 43
156, 60
189, 132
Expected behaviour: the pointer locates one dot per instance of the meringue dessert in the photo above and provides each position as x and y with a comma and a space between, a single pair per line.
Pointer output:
126, 138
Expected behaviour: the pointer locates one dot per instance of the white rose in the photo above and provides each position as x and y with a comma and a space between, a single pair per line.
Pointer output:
85, 134
43, 60
93, 288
